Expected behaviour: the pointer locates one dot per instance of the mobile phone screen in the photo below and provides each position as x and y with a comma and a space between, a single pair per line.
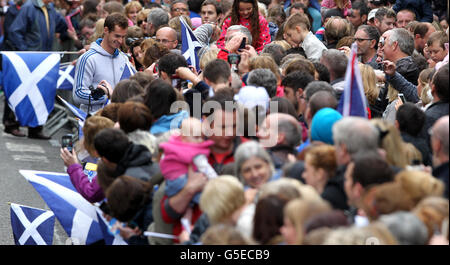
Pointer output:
243, 43
402, 97
66, 142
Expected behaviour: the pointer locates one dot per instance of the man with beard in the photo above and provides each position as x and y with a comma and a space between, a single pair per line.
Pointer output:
366, 38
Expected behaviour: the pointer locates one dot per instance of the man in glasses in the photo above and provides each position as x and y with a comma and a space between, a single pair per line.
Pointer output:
168, 37
366, 38
179, 8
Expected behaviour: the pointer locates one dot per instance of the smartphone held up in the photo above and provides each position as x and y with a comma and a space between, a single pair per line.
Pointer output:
67, 142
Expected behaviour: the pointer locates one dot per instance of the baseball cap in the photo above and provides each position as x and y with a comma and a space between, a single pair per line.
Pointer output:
372, 14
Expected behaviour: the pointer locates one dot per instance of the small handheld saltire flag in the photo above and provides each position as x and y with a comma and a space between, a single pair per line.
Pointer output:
77, 216
66, 77
189, 45
353, 99
109, 239
76, 111
32, 226
127, 71
29, 82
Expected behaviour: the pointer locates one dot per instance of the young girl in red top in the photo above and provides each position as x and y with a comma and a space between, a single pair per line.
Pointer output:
245, 13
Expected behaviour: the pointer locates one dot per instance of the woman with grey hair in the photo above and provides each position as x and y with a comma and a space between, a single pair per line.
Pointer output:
253, 165
406, 227
254, 168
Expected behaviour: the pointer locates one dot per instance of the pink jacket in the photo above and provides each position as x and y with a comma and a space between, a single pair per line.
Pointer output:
331, 4
91, 191
178, 156
264, 35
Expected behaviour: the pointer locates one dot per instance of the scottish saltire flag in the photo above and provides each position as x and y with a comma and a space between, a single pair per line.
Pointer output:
80, 128
32, 226
76, 111
353, 99
81, 115
109, 239
189, 45
29, 82
77, 216
127, 71
66, 78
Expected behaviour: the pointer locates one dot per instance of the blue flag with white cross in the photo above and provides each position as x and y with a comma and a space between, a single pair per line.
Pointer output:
31, 226
77, 216
189, 45
66, 78
29, 82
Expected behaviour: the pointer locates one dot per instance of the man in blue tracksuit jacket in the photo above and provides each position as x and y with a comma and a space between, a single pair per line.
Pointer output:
104, 64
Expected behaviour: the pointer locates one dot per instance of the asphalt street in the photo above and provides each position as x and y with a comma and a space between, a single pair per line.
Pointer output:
18, 153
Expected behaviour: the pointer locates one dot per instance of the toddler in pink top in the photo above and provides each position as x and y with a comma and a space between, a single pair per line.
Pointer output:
344, 5
179, 153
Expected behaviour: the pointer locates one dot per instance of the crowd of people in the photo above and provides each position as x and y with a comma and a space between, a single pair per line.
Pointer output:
249, 148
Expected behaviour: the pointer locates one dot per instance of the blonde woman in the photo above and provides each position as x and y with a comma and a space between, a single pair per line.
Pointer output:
424, 89
296, 214
223, 234
419, 184
99, 26
361, 235
208, 56
141, 20
369, 79
398, 153
222, 200
433, 211
131, 11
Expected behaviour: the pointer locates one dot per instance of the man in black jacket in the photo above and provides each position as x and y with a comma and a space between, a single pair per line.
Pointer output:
439, 107
397, 46
410, 120
351, 136
439, 144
